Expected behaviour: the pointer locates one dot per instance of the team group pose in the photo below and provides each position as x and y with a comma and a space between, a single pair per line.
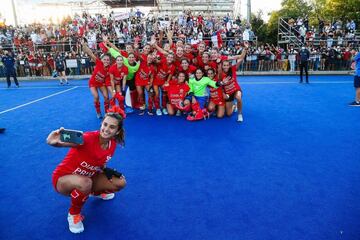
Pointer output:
157, 74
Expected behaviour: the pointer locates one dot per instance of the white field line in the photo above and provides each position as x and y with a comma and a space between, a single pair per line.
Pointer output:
37, 100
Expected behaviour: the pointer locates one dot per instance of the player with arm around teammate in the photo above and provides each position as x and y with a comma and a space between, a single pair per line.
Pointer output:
83, 170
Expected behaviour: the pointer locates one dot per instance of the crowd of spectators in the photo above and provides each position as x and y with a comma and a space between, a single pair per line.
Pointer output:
37, 46
327, 34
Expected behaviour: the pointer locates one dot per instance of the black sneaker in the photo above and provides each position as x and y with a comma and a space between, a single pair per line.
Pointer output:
355, 104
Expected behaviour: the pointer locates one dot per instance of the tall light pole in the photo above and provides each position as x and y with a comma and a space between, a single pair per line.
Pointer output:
248, 17
14, 12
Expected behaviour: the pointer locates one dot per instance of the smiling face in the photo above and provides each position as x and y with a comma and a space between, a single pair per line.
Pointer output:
211, 74
146, 49
184, 64
106, 60
199, 74
119, 61
181, 77
131, 58
214, 54
205, 58
109, 128
169, 58
179, 52
226, 66
201, 48
187, 48
129, 48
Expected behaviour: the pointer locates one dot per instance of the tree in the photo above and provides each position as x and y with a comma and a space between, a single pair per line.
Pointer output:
259, 26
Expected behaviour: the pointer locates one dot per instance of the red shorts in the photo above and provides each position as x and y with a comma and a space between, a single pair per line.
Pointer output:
96, 84
108, 83
141, 83
55, 178
158, 82
217, 101
174, 107
234, 88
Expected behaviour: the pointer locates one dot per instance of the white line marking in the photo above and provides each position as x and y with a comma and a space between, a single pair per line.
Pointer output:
29, 88
37, 100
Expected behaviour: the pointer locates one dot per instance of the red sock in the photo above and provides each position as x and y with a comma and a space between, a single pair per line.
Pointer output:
112, 102
140, 100
150, 102
78, 199
133, 97
97, 106
106, 105
120, 99
157, 102
164, 99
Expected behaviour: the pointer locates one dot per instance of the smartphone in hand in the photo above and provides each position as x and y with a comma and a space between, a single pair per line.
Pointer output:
71, 136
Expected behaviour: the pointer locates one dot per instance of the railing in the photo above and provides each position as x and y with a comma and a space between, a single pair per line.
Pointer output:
68, 46
253, 63
288, 34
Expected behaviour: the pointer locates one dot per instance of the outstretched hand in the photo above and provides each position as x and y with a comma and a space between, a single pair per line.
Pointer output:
54, 137
153, 40
105, 38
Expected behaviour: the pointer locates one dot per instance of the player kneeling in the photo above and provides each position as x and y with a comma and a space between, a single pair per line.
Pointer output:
83, 171
177, 92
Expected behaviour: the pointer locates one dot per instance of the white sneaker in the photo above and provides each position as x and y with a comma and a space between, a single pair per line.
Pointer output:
165, 112
178, 113
240, 118
158, 112
75, 223
105, 196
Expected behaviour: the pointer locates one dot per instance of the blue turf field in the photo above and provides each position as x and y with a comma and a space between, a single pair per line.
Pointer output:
291, 171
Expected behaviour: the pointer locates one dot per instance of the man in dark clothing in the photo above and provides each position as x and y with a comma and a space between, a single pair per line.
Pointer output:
304, 59
9, 64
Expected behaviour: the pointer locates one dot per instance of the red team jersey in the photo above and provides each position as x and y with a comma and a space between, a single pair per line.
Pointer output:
176, 92
189, 57
100, 75
216, 95
189, 71
86, 159
118, 73
143, 75
232, 86
163, 72
208, 65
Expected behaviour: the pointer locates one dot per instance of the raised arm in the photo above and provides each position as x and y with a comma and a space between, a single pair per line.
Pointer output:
88, 51
242, 55
169, 35
153, 44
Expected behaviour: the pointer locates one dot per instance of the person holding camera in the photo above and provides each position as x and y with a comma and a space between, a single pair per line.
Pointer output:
83, 171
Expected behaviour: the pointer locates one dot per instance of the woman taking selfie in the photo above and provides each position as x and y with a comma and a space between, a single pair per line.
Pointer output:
83, 171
